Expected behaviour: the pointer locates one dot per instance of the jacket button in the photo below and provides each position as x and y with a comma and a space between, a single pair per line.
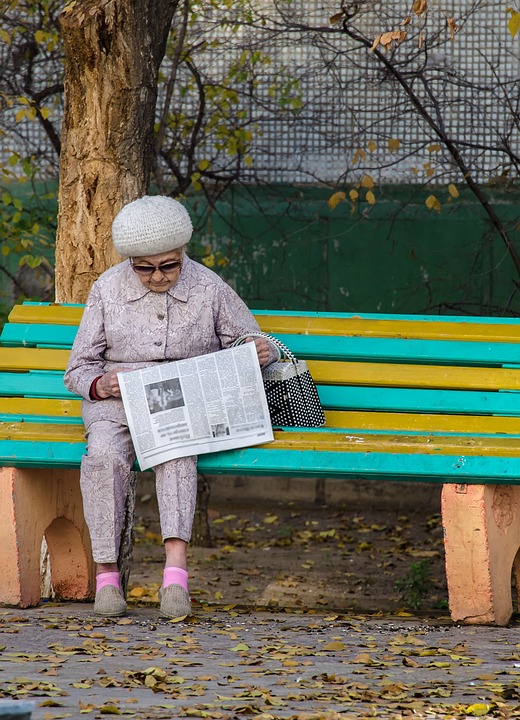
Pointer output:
160, 317
158, 342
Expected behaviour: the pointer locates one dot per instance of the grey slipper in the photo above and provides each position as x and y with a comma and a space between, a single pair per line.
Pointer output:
175, 602
109, 602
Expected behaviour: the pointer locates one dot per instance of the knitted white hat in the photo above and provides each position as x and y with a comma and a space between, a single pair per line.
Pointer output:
150, 226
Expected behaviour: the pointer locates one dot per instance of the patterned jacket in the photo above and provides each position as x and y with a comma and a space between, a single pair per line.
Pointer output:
125, 324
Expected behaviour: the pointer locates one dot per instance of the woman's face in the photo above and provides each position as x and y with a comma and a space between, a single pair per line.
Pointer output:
159, 273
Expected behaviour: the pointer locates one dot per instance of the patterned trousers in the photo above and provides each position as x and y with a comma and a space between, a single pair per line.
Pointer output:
105, 480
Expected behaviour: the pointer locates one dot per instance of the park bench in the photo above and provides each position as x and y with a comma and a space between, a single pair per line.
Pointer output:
413, 398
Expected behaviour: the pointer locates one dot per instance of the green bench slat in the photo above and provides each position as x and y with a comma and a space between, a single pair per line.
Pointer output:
402, 350
382, 316
424, 401
19, 453
316, 347
22, 335
50, 384
308, 463
44, 419
45, 384
362, 465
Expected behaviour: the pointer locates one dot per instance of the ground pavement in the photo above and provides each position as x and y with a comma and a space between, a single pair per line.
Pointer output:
228, 664
300, 610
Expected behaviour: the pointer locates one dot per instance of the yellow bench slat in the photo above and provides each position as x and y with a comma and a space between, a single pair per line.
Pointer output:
398, 328
357, 420
46, 314
451, 377
323, 371
352, 326
411, 422
40, 406
36, 432
324, 441
22, 359
394, 444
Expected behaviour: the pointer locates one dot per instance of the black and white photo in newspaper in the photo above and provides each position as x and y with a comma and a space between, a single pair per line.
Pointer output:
199, 405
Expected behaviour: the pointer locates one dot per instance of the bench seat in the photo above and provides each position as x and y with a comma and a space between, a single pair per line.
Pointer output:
414, 398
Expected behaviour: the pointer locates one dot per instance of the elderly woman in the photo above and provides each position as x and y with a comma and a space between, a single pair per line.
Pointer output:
156, 306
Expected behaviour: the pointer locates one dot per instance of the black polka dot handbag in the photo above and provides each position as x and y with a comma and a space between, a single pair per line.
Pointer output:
291, 394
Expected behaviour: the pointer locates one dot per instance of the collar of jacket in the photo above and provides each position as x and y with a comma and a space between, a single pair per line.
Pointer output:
180, 291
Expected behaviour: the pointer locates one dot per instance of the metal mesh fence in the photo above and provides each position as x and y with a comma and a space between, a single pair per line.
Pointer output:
343, 113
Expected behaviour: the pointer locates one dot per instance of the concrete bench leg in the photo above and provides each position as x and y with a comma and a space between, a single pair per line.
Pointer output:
38, 502
481, 539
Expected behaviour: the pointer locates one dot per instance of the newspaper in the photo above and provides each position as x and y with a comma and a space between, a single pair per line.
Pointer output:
198, 405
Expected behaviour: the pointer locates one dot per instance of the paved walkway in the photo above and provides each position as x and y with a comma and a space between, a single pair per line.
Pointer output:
228, 664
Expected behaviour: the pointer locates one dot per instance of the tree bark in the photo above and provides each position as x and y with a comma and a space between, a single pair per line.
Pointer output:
113, 50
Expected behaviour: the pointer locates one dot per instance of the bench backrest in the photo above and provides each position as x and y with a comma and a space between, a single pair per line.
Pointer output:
403, 364
385, 381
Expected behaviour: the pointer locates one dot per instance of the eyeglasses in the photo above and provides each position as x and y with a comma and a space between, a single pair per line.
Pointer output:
166, 268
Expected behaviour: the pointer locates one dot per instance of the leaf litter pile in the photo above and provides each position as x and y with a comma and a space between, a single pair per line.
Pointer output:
300, 614
286, 556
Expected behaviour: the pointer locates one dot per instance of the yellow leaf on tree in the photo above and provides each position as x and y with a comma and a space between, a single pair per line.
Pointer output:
370, 198
452, 189
432, 203
513, 24
434, 147
397, 36
45, 112
452, 27
353, 195
358, 155
68, 7
419, 7
394, 144
5, 37
335, 199
209, 260
204, 164
371, 146
376, 42
367, 182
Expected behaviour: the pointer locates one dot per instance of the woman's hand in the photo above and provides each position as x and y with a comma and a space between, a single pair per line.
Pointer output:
108, 384
262, 350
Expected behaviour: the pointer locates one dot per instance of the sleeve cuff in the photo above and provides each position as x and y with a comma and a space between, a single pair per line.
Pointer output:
93, 392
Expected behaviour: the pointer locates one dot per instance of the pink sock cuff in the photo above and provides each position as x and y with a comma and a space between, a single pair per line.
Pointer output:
108, 578
175, 576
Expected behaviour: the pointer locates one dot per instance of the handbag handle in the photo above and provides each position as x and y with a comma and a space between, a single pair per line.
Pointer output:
278, 344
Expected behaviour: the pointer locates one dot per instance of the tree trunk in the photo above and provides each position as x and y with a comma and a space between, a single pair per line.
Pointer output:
113, 50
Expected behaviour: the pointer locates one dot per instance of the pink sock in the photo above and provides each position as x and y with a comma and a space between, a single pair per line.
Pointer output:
175, 576
107, 578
